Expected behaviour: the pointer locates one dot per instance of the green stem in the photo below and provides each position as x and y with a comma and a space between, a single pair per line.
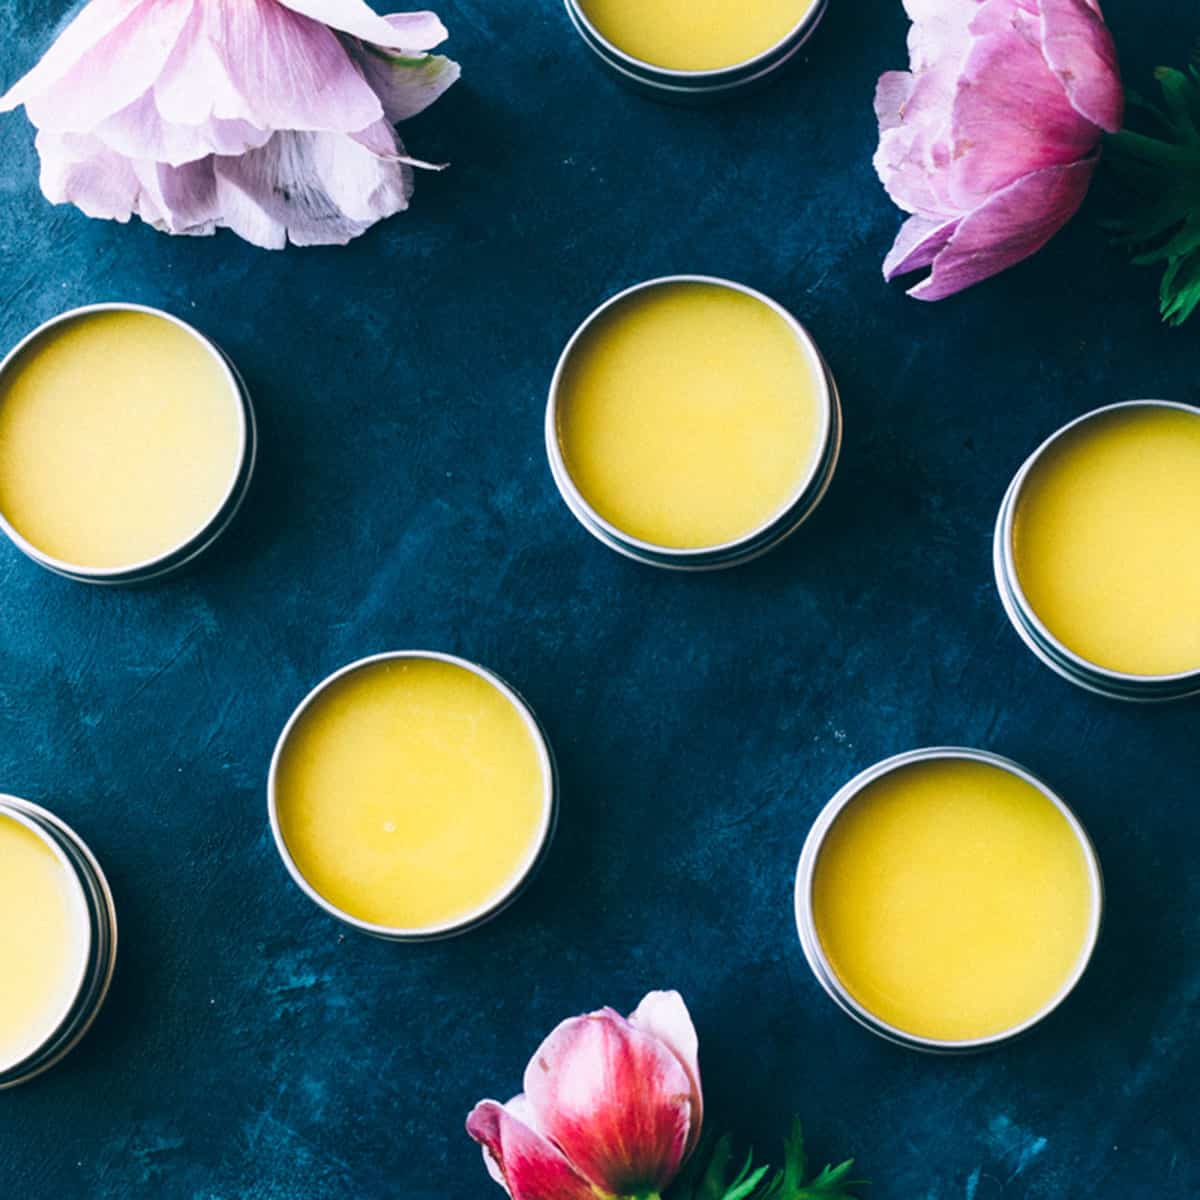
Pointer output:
1152, 150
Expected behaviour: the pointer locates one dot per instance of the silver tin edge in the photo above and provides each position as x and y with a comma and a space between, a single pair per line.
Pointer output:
519, 884
1101, 681
804, 501
182, 555
806, 924
102, 964
696, 86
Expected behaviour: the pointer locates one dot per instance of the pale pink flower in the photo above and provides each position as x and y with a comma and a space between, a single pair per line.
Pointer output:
990, 140
611, 1108
273, 118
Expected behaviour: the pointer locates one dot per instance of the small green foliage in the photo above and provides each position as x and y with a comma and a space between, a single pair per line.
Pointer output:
1163, 176
711, 1176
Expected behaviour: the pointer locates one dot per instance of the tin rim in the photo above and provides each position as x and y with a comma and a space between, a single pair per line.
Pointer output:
1121, 683
695, 79
146, 568
819, 471
102, 954
823, 969
521, 877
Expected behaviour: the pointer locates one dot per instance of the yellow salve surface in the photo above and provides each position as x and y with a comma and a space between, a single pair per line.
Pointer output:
411, 793
43, 941
695, 35
689, 415
1106, 538
953, 900
120, 437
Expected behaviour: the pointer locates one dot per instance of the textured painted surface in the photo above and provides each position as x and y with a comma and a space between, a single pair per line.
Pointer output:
253, 1051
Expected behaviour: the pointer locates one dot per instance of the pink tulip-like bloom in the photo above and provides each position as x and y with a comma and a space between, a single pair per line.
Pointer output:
990, 140
273, 118
611, 1108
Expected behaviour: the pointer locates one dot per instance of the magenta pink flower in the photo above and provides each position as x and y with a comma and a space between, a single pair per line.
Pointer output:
991, 138
273, 118
611, 1108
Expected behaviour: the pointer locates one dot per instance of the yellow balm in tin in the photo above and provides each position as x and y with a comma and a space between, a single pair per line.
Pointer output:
123, 435
45, 940
687, 417
947, 899
412, 794
696, 35
1106, 539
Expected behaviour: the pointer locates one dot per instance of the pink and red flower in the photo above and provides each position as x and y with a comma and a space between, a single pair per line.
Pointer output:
612, 1107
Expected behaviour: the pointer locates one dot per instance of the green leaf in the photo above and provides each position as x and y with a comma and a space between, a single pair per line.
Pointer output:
1179, 93
792, 1182
1161, 175
710, 1175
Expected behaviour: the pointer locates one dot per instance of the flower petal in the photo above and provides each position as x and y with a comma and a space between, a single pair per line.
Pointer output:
258, 62
79, 169
1011, 114
140, 132
1080, 51
917, 244
401, 31
1008, 227
93, 24
528, 1165
665, 1016
405, 86
615, 1100
313, 189
110, 75
940, 33
914, 108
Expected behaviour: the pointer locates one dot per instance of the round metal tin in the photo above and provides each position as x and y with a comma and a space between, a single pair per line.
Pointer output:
495, 906
1116, 685
102, 956
694, 87
806, 923
804, 501
183, 554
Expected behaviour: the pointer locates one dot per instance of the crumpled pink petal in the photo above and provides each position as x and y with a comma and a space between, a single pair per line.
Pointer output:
78, 169
1000, 92
404, 88
1008, 227
269, 117
523, 1161
615, 1100
307, 188
312, 189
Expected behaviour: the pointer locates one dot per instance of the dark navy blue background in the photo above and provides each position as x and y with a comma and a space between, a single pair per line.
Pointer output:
251, 1049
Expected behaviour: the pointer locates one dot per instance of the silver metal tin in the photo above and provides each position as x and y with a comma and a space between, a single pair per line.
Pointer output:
1117, 685
806, 923
182, 555
804, 501
499, 904
694, 87
102, 957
